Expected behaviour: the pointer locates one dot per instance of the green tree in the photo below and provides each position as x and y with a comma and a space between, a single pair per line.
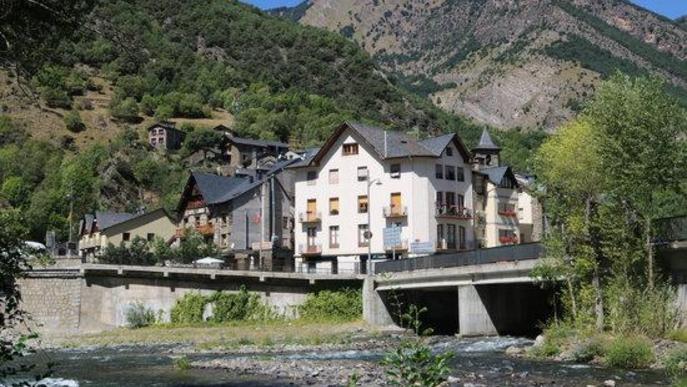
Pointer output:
568, 164
73, 122
202, 140
15, 191
642, 148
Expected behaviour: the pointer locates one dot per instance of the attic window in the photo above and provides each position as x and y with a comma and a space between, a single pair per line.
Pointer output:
404, 141
449, 151
350, 149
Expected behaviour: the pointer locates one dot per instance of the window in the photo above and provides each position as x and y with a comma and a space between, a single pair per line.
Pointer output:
395, 171
450, 172
362, 204
333, 237
285, 222
311, 177
451, 236
333, 176
350, 149
460, 202
506, 182
450, 199
362, 174
150, 237
460, 176
440, 232
126, 237
439, 171
461, 237
440, 198
333, 206
363, 240
449, 151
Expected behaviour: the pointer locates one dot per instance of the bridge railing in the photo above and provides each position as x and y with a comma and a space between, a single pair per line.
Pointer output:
464, 258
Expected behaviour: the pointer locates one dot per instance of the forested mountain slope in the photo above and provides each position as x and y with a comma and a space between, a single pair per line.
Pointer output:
528, 63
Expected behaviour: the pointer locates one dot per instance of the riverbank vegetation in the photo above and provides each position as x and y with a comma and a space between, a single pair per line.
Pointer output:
607, 178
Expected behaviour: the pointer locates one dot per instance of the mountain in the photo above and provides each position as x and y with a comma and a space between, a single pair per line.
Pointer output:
682, 21
507, 63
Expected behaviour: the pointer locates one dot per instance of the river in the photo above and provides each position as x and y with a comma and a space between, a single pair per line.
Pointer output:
477, 362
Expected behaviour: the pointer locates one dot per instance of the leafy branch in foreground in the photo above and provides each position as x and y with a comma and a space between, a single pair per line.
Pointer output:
413, 363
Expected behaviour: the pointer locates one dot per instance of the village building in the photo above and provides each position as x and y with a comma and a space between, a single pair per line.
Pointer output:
248, 216
496, 196
241, 152
365, 180
531, 219
164, 135
101, 229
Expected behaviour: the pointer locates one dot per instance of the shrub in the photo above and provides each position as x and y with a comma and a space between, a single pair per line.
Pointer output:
189, 309
341, 305
676, 363
125, 110
56, 98
413, 364
138, 316
678, 335
73, 122
556, 337
589, 349
630, 352
182, 363
239, 306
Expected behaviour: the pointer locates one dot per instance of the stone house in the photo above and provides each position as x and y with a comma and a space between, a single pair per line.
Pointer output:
164, 135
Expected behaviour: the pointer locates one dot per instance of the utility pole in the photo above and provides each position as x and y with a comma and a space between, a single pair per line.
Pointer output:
369, 226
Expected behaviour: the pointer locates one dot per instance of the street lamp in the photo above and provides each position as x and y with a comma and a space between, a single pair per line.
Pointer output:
369, 225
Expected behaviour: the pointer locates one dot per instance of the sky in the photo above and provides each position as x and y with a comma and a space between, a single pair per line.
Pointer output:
670, 8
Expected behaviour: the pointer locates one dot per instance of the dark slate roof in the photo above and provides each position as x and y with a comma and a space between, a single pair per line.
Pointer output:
258, 143
496, 174
86, 223
143, 215
486, 143
397, 144
168, 125
437, 144
214, 188
306, 158
108, 219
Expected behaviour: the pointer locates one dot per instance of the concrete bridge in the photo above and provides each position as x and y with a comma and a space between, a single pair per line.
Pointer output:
480, 292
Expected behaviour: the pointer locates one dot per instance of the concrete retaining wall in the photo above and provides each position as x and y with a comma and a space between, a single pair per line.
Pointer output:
53, 302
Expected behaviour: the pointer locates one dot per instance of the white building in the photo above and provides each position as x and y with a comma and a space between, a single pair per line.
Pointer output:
367, 179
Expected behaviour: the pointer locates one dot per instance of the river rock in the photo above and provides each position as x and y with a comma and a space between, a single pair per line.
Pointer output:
538, 341
609, 383
514, 351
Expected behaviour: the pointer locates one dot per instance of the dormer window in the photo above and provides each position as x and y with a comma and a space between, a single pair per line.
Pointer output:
350, 149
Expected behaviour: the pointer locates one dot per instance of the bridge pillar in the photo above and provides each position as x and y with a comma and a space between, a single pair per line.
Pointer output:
374, 309
473, 316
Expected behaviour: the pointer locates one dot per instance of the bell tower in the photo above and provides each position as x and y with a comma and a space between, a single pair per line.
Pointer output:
486, 153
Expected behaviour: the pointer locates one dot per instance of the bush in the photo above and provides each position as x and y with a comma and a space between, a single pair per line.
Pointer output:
589, 349
125, 110
341, 305
414, 364
239, 306
138, 316
630, 352
56, 98
182, 363
556, 337
189, 309
678, 335
676, 363
73, 122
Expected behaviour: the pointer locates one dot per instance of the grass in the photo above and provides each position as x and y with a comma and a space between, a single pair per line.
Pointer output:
226, 336
678, 335
632, 352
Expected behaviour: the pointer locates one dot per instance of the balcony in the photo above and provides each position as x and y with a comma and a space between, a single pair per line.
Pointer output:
453, 212
395, 212
204, 229
310, 250
508, 240
507, 212
310, 217
403, 246
445, 245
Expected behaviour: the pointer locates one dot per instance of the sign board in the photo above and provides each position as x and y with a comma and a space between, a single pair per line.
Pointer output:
422, 247
392, 236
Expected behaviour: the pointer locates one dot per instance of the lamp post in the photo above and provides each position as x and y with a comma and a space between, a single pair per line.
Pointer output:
369, 225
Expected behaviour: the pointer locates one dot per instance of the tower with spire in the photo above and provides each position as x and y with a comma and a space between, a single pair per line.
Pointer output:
486, 153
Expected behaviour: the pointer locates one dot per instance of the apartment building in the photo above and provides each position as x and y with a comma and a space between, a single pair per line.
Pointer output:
164, 135
365, 179
496, 196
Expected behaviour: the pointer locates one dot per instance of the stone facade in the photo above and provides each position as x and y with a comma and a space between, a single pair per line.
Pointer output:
53, 301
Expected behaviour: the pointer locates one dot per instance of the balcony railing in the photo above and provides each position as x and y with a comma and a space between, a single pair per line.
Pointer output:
455, 212
310, 217
445, 245
204, 229
508, 212
395, 212
310, 249
508, 240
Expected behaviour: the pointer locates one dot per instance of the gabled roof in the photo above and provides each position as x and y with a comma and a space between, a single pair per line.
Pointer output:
108, 219
149, 214
214, 187
168, 125
496, 174
306, 158
392, 144
486, 143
